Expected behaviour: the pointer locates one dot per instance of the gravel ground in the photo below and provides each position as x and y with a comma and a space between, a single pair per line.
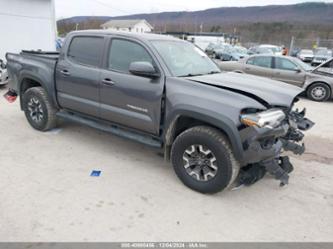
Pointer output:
47, 193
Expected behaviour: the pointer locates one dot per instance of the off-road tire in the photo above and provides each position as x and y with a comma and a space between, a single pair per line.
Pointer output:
323, 86
213, 139
49, 120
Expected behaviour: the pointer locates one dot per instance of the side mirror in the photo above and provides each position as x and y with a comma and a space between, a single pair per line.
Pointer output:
298, 70
143, 68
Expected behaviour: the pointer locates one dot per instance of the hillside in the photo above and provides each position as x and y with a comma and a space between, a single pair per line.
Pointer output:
314, 13
305, 18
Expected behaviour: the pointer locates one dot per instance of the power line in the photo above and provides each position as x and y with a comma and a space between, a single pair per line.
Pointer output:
111, 7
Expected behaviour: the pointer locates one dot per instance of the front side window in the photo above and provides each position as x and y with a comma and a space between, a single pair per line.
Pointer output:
123, 52
86, 50
285, 64
260, 61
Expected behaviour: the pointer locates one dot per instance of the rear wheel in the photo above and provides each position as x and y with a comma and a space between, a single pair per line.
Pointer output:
40, 113
319, 92
203, 160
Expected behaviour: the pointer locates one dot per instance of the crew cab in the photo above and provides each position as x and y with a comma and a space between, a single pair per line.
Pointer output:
217, 128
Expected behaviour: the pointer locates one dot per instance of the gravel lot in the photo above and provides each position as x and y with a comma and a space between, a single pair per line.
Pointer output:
47, 193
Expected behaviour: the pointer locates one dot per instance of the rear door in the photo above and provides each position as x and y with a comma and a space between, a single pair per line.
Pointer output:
259, 65
287, 71
78, 75
126, 99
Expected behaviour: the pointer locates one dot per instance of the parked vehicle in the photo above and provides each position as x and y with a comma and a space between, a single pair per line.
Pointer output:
232, 53
321, 56
275, 49
260, 50
295, 52
3, 74
305, 55
217, 51
217, 128
287, 69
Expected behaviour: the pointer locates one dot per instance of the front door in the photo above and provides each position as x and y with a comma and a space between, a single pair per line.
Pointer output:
78, 75
287, 71
127, 99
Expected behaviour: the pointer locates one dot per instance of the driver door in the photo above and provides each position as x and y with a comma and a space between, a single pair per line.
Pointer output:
126, 99
287, 71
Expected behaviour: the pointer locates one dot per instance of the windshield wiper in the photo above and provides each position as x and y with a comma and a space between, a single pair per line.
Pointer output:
214, 72
190, 75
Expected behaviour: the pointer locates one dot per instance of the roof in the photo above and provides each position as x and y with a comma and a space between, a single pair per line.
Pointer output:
124, 23
140, 36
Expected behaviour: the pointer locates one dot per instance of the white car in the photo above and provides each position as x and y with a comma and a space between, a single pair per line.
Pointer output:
275, 49
3, 74
305, 55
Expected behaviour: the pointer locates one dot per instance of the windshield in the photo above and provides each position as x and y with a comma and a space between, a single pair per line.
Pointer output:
185, 59
240, 50
303, 65
306, 52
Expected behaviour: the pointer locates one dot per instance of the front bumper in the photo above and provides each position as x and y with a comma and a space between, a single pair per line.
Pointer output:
263, 147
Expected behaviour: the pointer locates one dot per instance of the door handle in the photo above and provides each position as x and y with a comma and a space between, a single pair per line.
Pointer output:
65, 72
108, 82
247, 68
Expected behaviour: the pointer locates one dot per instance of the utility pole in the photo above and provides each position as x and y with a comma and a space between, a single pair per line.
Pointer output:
292, 43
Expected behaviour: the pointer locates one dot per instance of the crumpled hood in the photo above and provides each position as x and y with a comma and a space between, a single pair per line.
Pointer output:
262, 89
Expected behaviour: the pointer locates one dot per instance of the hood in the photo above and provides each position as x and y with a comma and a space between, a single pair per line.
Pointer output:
321, 65
266, 91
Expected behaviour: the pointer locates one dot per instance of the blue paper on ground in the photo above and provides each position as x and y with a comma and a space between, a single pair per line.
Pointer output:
95, 173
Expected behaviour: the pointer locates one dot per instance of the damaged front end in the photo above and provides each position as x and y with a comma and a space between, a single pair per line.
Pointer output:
265, 136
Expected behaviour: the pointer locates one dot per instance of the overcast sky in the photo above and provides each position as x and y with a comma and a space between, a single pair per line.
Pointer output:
68, 8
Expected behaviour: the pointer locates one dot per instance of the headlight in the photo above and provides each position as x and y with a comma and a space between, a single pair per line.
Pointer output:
269, 119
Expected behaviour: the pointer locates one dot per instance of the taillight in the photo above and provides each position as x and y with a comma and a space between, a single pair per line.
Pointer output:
10, 96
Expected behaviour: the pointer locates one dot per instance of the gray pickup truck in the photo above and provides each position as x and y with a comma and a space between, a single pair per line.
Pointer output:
216, 128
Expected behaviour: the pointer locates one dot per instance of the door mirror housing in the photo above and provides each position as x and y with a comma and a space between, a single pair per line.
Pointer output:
297, 70
143, 68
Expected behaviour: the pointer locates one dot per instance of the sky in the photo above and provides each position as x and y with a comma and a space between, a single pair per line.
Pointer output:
69, 8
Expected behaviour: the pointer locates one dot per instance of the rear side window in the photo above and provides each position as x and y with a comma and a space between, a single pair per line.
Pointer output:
260, 61
124, 52
86, 50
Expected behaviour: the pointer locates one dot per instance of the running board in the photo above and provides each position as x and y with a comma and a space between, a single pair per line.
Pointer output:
144, 139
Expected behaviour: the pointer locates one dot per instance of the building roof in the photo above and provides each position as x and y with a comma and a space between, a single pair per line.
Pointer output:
124, 23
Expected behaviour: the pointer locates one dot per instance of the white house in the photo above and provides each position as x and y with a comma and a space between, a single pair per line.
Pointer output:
138, 26
27, 24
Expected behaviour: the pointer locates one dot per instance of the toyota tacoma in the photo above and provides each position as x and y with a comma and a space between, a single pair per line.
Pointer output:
218, 129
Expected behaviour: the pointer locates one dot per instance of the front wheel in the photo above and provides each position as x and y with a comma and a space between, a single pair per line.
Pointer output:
203, 160
319, 92
39, 111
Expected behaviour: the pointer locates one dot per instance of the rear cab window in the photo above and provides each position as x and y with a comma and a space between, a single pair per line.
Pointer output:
86, 50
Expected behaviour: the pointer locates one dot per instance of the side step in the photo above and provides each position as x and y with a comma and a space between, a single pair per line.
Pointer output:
144, 139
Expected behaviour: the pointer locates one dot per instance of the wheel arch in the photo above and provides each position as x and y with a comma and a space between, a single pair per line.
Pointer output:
28, 81
184, 120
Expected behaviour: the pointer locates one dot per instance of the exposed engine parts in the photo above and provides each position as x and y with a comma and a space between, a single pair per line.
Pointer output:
272, 144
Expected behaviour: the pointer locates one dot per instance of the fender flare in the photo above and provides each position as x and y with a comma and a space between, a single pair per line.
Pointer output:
49, 90
219, 121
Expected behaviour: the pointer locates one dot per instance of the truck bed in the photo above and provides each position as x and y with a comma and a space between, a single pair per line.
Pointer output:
26, 63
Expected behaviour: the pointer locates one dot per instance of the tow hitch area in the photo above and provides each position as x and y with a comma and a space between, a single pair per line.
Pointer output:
10, 96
